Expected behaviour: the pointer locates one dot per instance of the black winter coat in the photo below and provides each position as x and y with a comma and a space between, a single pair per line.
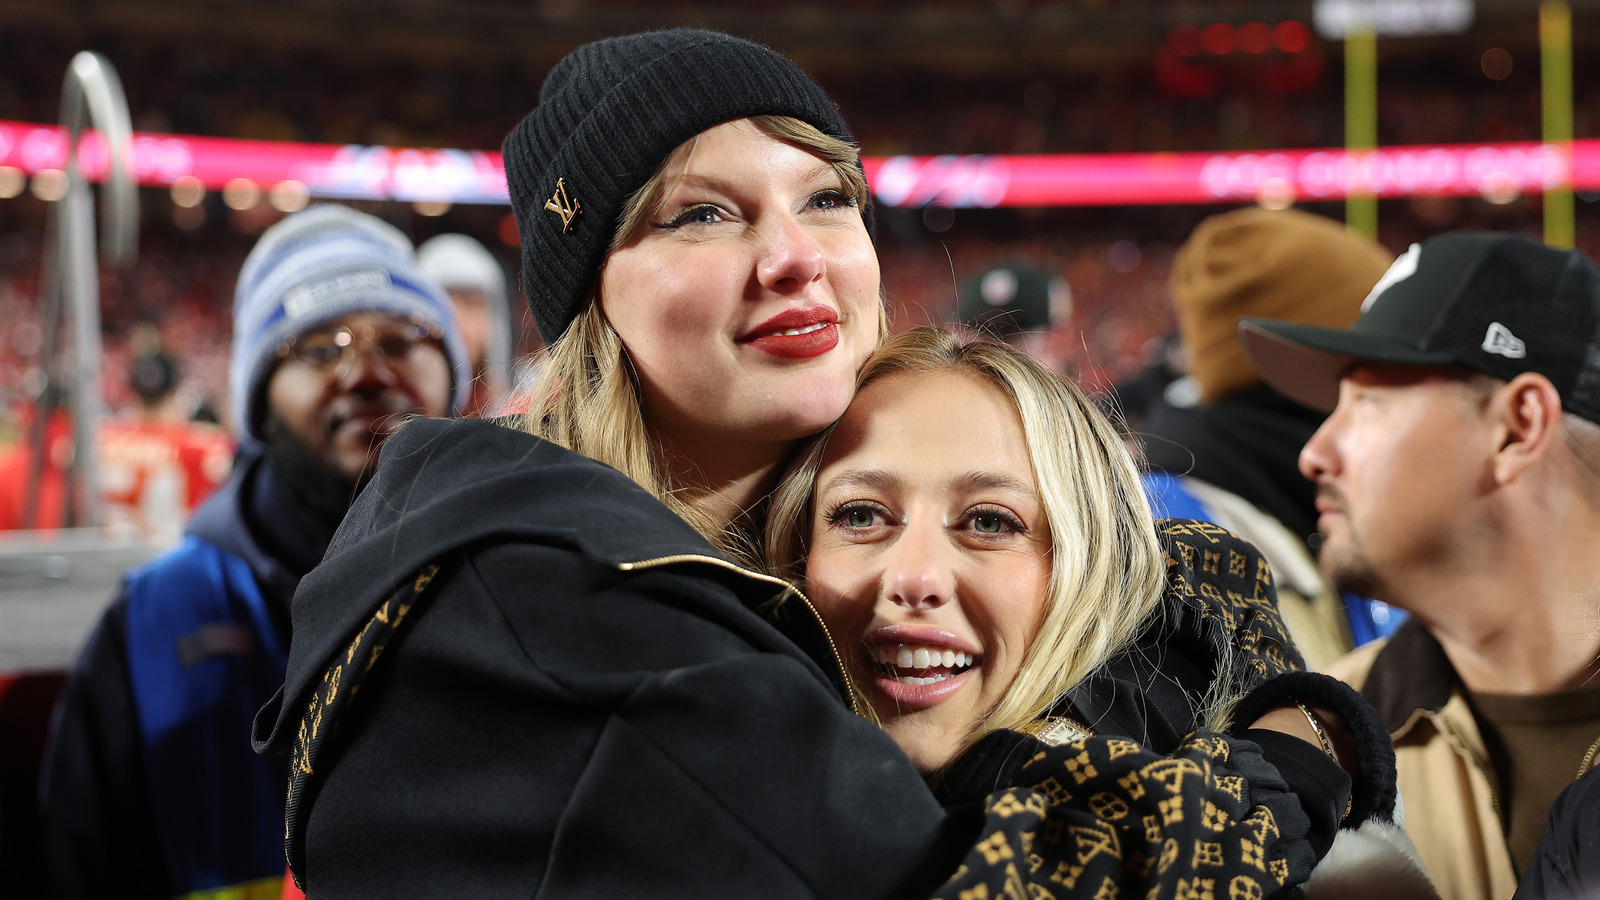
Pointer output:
584, 700
1567, 863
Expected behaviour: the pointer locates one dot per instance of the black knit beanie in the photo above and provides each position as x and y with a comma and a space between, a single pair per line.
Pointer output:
608, 114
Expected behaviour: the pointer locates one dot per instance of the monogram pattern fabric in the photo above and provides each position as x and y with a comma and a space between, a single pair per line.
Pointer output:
1104, 818
1226, 581
332, 697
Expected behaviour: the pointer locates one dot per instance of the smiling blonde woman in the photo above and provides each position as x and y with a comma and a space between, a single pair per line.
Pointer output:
533, 661
1028, 456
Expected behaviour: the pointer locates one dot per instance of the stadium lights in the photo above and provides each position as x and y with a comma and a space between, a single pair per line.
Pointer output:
280, 171
1254, 38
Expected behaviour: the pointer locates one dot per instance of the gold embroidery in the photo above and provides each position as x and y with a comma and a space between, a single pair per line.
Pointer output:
1280, 870
1252, 854
994, 848
1066, 874
1081, 768
562, 206
1212, 817
1054, 790
1118, 749
1007, 806
1108, 806
1169, 855
1207, 853
423, 577
1243, 887
1093, 840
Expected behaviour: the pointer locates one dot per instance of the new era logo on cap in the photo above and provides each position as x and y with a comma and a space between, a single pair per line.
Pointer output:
1500, 341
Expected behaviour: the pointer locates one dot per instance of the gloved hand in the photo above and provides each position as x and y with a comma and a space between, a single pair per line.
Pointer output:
1216, 636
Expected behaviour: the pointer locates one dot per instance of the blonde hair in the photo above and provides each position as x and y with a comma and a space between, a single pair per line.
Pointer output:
586, 396
1107, 566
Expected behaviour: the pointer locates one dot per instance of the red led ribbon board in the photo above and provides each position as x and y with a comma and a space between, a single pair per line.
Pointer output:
354, 172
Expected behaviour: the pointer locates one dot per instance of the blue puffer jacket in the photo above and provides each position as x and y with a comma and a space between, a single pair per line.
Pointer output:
150, 788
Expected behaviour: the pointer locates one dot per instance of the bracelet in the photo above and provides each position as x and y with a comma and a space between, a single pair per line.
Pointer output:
1322, 734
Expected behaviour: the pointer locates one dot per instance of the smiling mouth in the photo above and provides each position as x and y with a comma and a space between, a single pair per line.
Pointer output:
919, 665
795, 332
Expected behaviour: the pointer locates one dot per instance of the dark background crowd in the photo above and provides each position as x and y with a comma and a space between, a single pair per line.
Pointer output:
960, 76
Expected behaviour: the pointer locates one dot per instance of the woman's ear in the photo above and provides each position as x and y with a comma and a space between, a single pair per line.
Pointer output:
1527, 415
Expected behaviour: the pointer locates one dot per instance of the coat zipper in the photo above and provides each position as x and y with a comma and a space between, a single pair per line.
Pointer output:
1588, 758
838, 661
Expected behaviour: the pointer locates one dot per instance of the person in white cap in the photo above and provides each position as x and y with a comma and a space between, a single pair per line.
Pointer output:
1458, 478
477, 286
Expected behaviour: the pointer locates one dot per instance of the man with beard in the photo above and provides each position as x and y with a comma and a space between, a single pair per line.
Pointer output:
1458, 477
150, 787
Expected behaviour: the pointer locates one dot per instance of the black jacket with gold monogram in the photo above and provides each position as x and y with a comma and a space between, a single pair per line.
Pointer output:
583, 700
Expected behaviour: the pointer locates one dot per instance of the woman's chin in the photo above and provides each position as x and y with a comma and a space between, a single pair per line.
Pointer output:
929, 721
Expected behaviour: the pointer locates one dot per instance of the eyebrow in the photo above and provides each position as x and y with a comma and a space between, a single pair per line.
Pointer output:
880, 479
994, 481
859, 478
715, 181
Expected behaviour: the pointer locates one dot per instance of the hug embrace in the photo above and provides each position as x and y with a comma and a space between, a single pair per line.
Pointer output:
758, 601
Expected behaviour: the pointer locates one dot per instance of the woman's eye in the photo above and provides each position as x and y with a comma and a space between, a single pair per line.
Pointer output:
856, 517
994, 522
831, 199
704, 214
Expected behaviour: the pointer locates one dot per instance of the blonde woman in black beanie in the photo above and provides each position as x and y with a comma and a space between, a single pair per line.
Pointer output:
535, 659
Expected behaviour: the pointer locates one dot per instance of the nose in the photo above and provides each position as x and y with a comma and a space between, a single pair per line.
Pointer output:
918, 571
366, 369
1319, 459
791, 256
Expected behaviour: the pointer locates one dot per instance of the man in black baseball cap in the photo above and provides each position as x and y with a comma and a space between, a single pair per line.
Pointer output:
1458, 477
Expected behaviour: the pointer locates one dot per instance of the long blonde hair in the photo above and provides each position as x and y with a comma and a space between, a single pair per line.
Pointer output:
586, 396
1107, 566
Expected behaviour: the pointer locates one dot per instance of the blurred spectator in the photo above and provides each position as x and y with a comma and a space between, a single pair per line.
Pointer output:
477, 287
1232, 459
1458, 478
1017, 303
150, 787
157, 466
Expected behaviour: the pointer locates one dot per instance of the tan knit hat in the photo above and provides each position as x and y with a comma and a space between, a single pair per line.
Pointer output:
1278, 264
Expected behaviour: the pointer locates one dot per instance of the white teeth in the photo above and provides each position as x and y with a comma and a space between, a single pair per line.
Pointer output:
914, 680
905, 657
806, 330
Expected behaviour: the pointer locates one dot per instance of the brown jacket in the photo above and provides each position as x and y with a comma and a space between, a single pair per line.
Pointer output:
1452, 805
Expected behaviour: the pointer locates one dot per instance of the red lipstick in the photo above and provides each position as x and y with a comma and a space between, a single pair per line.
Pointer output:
796, 333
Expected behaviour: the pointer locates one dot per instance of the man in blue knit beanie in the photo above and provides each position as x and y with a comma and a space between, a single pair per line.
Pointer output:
150, 786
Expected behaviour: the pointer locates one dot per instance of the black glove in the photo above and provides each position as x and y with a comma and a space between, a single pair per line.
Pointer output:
1216, 635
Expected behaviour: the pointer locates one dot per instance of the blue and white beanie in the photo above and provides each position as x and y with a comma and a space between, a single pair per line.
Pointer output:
318, 265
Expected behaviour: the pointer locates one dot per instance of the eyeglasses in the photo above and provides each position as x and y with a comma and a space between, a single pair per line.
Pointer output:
333, 349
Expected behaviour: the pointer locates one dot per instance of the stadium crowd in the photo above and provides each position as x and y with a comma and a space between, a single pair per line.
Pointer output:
1404, 427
